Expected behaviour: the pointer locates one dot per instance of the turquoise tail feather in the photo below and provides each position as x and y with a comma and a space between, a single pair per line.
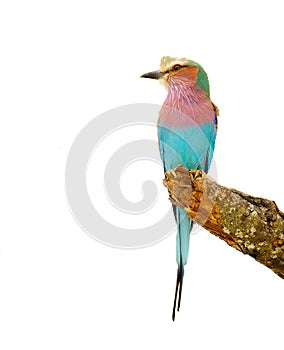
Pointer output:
184, 226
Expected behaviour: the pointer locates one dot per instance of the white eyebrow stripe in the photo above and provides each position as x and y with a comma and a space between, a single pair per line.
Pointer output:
168, 62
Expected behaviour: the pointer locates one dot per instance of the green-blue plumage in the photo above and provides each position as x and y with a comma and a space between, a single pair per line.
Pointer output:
193, 148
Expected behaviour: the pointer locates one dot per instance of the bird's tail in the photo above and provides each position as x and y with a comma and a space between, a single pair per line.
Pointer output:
184, 226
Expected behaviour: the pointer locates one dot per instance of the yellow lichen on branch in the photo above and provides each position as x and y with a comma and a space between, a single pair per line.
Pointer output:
252, 225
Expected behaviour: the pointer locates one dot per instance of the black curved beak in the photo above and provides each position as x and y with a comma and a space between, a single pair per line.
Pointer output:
153, 75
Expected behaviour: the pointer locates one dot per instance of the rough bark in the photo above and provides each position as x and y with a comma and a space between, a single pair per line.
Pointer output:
252, 225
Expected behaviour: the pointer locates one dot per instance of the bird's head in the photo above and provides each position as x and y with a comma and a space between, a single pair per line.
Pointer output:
175, 71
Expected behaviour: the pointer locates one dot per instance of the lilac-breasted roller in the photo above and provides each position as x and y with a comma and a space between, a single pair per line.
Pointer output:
187, 127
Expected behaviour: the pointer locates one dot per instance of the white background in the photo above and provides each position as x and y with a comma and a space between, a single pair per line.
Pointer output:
65, 62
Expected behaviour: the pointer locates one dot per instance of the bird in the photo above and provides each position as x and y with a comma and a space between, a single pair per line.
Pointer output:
187, 128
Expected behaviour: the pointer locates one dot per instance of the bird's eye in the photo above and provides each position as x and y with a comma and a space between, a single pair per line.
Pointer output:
176, 67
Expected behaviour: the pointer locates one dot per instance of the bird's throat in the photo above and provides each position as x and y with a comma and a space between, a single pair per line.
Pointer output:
186, 106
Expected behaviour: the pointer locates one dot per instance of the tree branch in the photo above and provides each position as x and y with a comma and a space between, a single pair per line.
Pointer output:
254, 226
